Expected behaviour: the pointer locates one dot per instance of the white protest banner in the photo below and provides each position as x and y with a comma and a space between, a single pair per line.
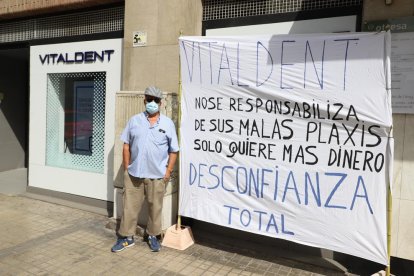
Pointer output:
289, 137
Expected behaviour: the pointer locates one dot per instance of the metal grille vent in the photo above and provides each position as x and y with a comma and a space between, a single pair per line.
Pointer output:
82, 23
223, 9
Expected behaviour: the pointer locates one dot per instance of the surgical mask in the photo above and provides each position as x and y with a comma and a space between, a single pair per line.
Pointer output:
152, 107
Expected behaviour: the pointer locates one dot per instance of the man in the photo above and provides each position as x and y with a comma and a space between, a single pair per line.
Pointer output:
149, 154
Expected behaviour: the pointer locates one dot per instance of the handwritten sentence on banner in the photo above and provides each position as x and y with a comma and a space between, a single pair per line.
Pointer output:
255, 181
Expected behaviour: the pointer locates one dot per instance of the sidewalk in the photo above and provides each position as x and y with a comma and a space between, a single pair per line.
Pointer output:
39, 238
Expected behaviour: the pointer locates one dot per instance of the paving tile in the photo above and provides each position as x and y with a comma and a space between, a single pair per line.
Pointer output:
187, 270
208, 273
215, 268
235, 271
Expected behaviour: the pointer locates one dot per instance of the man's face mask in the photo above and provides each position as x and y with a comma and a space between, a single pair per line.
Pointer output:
152, 107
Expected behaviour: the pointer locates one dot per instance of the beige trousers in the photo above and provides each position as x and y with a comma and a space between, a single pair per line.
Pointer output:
136, 190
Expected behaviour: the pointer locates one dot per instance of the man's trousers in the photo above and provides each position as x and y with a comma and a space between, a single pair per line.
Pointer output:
136, 190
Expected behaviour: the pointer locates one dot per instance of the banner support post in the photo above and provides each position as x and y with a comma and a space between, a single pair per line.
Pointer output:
389, 216
178, 236
179, 130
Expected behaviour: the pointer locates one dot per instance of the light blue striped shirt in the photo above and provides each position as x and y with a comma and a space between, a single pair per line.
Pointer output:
149, 145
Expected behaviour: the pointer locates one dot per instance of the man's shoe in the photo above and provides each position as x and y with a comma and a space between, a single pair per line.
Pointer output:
154, 243
122, 243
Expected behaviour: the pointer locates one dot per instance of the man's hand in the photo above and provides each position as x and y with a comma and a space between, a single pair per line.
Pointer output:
172, 157
167, 175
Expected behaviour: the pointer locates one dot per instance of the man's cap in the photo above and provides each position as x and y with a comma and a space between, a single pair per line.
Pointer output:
153, 91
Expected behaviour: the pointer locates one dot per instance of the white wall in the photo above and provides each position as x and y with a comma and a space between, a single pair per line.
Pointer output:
93, 185
324, 25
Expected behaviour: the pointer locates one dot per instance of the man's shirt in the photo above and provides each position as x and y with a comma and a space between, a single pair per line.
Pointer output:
149, 145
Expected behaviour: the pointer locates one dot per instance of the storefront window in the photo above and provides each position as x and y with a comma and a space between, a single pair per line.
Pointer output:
76, 121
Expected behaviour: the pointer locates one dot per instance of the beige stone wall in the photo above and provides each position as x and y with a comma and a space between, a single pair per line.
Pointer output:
402, 245
157, 63
21, 8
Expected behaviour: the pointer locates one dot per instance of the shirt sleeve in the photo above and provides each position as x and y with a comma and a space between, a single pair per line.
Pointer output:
173, 140
126, 133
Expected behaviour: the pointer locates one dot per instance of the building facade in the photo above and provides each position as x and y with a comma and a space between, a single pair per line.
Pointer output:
59, 47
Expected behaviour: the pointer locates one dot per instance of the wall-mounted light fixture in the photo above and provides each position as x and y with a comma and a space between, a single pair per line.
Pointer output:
388, 2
